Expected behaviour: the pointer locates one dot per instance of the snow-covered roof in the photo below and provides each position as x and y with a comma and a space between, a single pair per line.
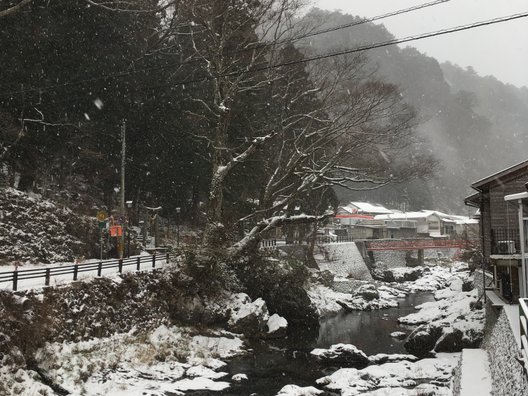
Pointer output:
424, 214
365, 207
499, 175
405, 216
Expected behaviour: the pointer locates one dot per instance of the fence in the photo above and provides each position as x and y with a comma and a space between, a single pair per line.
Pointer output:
72, 271
505, 241
523, 317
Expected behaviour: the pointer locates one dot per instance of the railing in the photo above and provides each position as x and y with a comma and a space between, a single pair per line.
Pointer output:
523, 317
505, 241
72, 271
320, 240
417, 244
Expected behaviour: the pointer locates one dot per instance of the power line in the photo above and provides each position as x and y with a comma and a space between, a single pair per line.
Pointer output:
318, 57
260, 46
357, 49
368, 20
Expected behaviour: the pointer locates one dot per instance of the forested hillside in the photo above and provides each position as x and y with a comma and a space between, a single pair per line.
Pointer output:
475, 125
224, 116
227, 118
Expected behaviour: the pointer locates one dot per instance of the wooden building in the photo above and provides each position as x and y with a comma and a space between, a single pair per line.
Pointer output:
500, 226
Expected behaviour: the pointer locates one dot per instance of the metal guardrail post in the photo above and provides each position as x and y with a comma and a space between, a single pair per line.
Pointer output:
120, 266
99, 268
138, 264
154, 260
523, 318
15, 280
75, 271
48, 276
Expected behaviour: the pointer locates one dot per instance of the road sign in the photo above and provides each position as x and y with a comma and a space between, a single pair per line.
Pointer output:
101, 216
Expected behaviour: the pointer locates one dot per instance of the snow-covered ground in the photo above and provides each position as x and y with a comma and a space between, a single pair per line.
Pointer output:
166, 360
181, 359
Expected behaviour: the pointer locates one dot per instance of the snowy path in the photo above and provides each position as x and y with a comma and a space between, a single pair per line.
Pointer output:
475, 376
63, 279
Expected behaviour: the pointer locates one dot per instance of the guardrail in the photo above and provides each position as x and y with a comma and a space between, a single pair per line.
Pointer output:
47, 273
523, 317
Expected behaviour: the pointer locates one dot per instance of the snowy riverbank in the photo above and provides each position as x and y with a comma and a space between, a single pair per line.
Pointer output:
176, 359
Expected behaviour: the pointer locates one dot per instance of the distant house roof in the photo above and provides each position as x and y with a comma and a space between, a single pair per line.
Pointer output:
473, 200
406, 216
500, 176
365, 207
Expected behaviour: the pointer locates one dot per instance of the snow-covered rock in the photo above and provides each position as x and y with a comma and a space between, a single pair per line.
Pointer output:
399, 274
400, 335
390, 378
446, 325
277, 326
341, 354
247, 317
239, 377
381, 358
294, 390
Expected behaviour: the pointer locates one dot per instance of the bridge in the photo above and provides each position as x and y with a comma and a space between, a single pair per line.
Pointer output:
417, 244
386, 244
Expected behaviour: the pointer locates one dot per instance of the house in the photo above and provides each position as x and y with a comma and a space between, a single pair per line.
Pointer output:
358, 219
356, 211
427, 224
502, 201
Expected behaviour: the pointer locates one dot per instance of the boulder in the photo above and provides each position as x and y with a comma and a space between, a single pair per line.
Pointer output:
423, 340
399, 335
325, 278
249, 317
277, 327
343, 355
454, 340
368, 292
382, 358
399, 275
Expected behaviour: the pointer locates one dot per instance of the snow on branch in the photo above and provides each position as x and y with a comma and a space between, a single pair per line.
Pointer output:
15, 8
256, 232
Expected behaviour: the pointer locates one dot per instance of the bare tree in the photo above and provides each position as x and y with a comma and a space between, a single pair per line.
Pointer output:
323, 124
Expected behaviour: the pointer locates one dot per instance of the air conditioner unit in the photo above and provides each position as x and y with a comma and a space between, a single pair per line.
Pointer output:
506, 247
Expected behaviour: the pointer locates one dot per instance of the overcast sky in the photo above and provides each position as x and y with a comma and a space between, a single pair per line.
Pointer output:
500, 50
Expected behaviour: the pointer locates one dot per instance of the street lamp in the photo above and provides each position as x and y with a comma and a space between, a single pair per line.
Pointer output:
178, 210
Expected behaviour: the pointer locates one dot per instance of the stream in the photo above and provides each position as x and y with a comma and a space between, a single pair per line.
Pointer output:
272, 365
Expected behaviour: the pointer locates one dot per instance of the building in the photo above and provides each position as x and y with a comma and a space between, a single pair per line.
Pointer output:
501, 199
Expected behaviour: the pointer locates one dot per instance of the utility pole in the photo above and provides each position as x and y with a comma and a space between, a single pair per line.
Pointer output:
123, 154
121, 247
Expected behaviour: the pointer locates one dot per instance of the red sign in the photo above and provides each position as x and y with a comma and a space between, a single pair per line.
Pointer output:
116, 231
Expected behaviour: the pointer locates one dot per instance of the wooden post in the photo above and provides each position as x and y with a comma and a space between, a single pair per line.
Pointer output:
48, 275
167, 258
120, 266
100, 268
138, 266
75, 271
420, 257
15, 280
154, 260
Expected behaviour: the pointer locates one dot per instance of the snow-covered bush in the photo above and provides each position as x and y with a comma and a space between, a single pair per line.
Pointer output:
34, 230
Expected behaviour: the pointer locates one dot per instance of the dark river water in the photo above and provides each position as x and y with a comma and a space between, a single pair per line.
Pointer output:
270, 367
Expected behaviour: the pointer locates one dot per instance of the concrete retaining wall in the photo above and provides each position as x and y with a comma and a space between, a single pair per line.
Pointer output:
344, 259
506, 371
